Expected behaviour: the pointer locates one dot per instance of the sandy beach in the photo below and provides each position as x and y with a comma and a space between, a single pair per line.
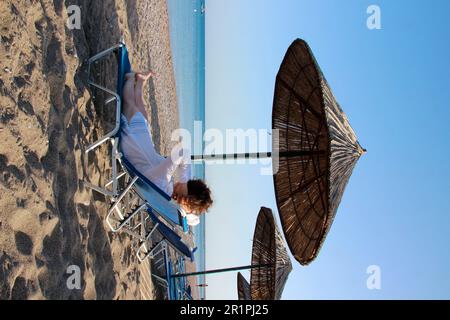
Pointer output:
48, 219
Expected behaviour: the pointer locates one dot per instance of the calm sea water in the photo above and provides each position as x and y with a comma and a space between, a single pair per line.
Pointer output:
187, 40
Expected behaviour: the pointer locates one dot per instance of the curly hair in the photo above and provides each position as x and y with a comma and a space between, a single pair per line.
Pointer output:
199, 196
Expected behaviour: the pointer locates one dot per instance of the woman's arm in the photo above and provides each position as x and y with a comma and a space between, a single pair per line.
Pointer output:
176, 166
182, 172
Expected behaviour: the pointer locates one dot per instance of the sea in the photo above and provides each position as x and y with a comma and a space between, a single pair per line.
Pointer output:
187, 41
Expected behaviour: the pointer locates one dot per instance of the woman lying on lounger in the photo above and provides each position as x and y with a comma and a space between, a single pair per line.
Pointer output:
171, 174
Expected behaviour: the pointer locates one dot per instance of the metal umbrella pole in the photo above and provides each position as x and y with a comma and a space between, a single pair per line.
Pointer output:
254, 266
255, 155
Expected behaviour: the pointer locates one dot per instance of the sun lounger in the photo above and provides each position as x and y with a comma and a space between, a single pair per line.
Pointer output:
152, 206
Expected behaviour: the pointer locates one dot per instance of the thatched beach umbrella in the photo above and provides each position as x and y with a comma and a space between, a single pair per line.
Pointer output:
270, 262
309, 186
316, 147
243, 288
268, 249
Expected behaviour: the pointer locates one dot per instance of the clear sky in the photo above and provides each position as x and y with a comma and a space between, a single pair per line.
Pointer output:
393, 84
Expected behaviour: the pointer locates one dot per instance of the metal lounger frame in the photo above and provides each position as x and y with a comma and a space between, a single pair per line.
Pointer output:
125, 224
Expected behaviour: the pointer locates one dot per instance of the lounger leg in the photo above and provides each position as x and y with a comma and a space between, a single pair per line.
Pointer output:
138, 228
123, 194
166, 256
115, 154
113, 181
150, 253
133, 234
143, 219
113, 132
124, 220
101, 190
103, 54
158, 263
120, 175
164, 281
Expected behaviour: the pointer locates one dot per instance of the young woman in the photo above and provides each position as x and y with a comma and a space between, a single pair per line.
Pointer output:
171, 174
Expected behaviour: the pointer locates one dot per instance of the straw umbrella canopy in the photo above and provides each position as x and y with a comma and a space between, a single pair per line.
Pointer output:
243, 288
318, 150
267, 283
270, 265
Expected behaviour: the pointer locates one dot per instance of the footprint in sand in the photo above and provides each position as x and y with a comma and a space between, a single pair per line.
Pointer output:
32, 158
19, 290
24, 244
25, 106
7, 170
44, 217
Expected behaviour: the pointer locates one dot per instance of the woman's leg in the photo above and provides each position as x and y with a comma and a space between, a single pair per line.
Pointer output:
141, 80
129, 100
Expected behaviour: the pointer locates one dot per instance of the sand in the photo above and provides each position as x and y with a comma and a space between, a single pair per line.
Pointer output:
48, 219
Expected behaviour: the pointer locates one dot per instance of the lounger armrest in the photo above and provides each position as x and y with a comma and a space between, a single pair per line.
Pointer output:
183, 222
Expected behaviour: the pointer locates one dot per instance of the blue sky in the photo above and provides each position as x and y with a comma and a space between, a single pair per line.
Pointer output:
393, 85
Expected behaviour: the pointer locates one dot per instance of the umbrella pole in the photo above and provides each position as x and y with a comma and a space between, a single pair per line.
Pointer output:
255, 155
229, 156
252, 266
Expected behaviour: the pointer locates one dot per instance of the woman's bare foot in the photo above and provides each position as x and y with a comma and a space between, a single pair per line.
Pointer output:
144, 76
